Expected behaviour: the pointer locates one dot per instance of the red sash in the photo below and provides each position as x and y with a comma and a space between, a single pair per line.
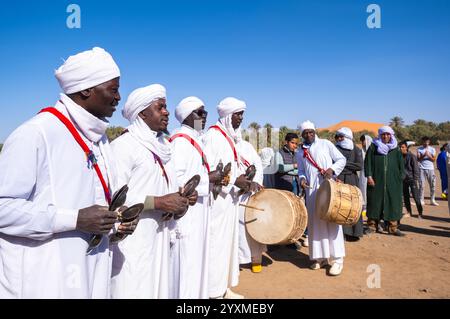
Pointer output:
195, 144
308, 156
245, 162
89, 154
158, 159
228, 139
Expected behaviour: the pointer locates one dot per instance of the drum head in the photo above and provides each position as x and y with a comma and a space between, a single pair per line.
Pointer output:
324, 197
275, 222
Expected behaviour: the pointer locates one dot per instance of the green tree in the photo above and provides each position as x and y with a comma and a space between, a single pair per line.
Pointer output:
397, 122
268, 127
327, 135
1, 146
443, 132
113, 132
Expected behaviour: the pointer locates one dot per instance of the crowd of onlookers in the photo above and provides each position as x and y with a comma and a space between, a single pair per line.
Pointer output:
418, 169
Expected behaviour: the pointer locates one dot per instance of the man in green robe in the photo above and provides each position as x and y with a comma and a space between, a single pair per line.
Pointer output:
383, 167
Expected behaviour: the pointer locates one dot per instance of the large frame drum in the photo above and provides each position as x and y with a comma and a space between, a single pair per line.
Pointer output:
275, 217
339, 203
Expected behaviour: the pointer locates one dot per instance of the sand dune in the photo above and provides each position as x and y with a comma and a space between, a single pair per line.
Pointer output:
355, 126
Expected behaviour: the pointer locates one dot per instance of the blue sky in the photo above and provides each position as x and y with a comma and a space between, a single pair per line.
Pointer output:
289, 60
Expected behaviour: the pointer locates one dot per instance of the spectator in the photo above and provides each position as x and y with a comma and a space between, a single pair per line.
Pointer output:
411, 179
426, 155
384, 169
442, 167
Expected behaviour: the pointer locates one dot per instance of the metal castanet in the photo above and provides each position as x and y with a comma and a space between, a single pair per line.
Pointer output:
250, 173
217, 187
187, 191
118, 199
128, 215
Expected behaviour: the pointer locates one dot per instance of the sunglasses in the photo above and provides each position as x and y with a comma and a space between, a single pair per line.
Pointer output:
201, 113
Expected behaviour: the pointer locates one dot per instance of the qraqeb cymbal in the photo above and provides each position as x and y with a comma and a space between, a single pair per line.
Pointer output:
117, 201
119, 198
128, 215
189, 187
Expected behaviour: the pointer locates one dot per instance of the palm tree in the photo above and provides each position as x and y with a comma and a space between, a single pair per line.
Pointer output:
268, 128
396, 122
254, 126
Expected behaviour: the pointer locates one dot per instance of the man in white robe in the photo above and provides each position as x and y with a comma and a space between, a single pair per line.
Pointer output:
220, 146
141, 265
189, 254
250, 251
326, 240
51, 197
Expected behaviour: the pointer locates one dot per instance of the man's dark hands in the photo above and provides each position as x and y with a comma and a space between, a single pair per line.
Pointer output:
243, 183
96, 220
171, 203
328, 174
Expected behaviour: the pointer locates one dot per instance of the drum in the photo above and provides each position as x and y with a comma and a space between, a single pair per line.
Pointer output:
339, 203
275, 217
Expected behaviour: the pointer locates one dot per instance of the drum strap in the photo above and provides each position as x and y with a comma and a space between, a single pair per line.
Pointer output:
195, 145
307, 155
89, 154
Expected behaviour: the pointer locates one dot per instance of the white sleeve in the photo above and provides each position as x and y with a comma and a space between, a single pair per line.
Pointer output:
259, 177
23, 162
339, 160
300, 166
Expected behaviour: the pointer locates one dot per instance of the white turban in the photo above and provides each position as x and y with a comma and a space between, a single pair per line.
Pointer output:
347, 143
86, 70
186, 107
385, 129
229, 106
307, 125
140, 99
346, 132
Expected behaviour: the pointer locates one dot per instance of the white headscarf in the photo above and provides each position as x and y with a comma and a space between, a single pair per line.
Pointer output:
347, 142
385, 148
86, 70
138, 101
186, 107
368, 139
307, 125
226, 108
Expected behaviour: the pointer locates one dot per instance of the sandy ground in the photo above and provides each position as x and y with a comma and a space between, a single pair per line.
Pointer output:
414, 266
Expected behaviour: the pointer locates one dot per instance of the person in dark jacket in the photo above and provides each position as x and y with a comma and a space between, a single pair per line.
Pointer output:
287, 176
344, 143
411, 179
